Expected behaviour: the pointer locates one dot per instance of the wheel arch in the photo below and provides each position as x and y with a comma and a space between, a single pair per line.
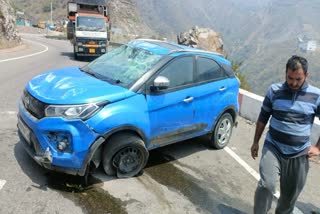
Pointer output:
229, 109
127, 138
95, 156
126, 129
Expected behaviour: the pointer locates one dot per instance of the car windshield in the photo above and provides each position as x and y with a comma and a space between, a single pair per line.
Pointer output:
85, 23
123, 65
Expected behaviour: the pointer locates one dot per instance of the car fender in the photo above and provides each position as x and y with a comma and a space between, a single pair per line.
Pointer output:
128, 114
229, 109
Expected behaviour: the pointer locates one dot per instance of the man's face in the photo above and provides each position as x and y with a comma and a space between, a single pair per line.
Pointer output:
295, 79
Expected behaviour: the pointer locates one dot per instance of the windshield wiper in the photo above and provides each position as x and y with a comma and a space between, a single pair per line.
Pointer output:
110, 80
87, 70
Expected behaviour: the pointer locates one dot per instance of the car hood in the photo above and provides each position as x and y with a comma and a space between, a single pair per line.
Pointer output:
72, 86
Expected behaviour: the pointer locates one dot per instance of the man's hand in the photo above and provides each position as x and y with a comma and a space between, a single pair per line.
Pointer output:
254, 150
257, 135
314, 151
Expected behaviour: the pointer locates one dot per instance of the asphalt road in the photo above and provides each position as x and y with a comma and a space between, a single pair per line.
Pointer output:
187, 177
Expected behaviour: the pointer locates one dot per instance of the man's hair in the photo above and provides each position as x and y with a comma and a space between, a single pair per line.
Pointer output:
296, 62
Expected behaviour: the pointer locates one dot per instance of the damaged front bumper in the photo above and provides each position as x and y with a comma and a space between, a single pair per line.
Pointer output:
45, 159
68, 146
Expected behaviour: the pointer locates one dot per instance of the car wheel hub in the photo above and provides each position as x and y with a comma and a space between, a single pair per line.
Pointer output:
224, 132
127, 159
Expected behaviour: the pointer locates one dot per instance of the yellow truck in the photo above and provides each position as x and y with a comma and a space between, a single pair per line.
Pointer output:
41, 24
88, 27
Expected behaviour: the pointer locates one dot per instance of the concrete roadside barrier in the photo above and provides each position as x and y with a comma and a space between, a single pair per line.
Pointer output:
250, 105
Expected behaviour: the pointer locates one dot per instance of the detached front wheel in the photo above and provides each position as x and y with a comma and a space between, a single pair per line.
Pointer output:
124, 155
222, 131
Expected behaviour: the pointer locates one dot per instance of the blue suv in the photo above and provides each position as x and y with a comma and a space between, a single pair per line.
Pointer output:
138, 97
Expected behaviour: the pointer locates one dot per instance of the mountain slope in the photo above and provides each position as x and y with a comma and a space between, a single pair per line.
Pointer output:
8, 33
276, 39
124, 15
263, 34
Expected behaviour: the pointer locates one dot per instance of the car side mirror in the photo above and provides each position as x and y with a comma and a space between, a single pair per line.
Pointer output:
160, 83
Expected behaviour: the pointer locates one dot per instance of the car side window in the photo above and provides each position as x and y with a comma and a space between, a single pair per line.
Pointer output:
208, 69
179, 72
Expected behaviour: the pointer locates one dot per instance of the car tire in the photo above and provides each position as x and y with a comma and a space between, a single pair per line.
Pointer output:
222, 132
75, 55
124, 155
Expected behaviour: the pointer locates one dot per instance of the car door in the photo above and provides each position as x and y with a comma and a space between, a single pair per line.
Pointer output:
171, 110
211, 93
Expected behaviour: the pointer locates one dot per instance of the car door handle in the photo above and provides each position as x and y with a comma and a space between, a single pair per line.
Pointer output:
188, 100
222, 88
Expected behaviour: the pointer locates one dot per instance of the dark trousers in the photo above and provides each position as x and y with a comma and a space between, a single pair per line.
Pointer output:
292, 173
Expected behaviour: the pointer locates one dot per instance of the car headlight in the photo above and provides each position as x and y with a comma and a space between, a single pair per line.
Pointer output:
72, 111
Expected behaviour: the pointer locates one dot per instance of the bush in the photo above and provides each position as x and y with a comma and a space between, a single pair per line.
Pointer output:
243, 80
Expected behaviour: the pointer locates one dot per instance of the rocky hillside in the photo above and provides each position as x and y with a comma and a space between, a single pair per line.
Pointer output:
8, 33
126, 21
40, 10
259, 33
125, 18
203, 38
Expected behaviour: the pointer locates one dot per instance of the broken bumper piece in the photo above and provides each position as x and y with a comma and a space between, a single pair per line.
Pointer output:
45, 158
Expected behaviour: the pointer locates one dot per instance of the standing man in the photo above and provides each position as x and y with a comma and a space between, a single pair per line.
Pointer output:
292, 106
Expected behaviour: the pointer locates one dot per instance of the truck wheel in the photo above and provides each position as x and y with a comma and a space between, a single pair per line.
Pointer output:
222, 132
75, 53
124, 155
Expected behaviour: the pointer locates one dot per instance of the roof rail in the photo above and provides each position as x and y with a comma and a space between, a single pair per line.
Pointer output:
181, 49
195, 50
152, 40
156, 40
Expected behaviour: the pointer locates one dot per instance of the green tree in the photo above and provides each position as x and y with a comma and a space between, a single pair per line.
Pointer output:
236, 68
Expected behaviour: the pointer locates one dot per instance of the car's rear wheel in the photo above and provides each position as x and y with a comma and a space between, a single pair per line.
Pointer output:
124, 155
222, 131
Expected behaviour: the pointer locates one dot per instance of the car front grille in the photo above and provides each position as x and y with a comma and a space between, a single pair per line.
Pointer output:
33, 106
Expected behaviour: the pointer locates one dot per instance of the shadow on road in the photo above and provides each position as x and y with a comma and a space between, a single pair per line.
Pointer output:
165, 168
70, 55
162, 167
43, 178
228, 210
308, 208
91, 198
28, 166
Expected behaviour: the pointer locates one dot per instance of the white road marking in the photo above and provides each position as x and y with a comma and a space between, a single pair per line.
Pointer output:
255, 174
246, 166
242, 163
8, 112
2, 183
29, 55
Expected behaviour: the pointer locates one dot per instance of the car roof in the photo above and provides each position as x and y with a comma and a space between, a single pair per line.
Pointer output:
173, 49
